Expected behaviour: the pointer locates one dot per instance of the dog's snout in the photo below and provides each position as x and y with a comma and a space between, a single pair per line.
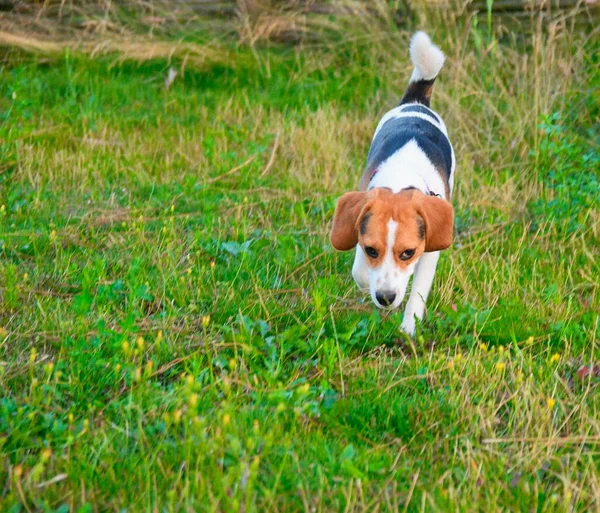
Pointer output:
385, 297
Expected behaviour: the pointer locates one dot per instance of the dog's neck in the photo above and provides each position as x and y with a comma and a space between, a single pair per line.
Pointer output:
421, 186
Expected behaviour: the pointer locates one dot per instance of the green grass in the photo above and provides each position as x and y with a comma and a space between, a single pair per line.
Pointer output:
176, 333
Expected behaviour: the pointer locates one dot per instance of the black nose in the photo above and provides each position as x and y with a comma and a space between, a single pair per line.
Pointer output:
386, 297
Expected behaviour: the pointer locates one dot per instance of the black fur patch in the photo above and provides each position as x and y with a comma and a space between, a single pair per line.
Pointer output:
418, 92
421, 227
421, 109
364, 222
396, 132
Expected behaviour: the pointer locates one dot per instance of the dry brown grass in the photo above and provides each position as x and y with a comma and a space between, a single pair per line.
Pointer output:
136, 48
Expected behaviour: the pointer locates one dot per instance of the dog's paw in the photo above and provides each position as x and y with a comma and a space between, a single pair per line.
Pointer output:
408, 325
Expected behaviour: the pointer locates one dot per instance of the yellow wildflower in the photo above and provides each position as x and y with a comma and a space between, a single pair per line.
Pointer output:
45, 455
304, 389
177, 416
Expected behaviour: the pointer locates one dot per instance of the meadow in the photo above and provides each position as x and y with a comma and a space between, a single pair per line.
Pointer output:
176, 332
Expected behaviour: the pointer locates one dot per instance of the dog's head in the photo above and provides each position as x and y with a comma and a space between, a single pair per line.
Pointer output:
393, 230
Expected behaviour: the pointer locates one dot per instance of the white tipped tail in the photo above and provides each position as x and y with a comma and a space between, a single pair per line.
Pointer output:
426, 57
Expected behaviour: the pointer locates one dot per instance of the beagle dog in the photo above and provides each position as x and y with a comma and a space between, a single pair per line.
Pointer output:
401, 218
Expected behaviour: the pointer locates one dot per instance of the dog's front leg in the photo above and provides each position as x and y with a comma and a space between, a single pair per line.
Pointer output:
360, 269
422, 280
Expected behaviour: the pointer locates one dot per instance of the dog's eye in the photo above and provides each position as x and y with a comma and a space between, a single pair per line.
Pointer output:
372, 252
408, 254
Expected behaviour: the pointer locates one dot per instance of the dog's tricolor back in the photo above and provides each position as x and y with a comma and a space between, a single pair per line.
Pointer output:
414, 120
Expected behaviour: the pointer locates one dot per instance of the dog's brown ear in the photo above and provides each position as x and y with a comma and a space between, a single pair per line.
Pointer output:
438, 216
344, 232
